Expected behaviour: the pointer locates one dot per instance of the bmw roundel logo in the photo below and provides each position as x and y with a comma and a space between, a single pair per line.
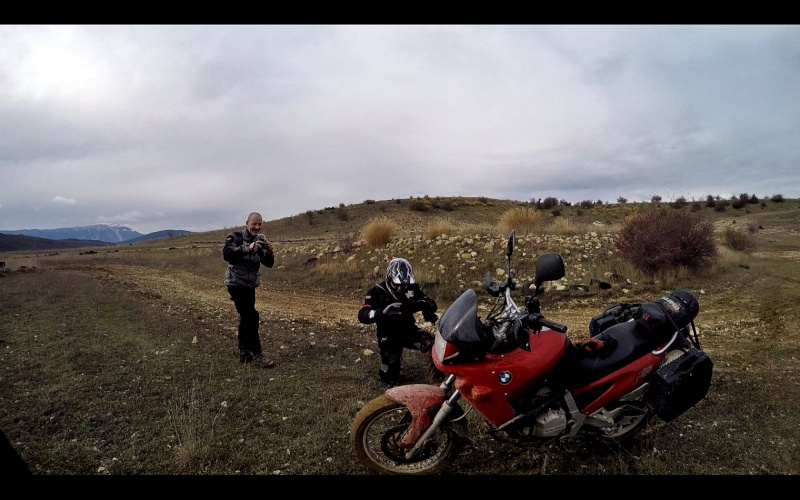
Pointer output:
505, 377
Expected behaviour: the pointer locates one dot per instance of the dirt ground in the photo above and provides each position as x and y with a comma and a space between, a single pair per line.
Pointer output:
746, 324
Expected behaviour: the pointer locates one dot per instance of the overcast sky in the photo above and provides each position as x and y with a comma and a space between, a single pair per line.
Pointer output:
194, 126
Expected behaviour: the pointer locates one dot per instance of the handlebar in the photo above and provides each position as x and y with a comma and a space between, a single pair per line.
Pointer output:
553, 325
537, 320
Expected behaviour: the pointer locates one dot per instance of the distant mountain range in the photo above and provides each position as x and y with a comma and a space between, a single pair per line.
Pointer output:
111, 233
71, 237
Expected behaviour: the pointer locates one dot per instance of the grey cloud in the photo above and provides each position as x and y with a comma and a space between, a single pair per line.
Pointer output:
181, 126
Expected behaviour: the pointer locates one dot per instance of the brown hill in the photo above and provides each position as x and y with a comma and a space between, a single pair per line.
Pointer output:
413, 216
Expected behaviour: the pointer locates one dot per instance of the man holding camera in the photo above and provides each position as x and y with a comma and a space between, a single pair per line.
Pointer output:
245, 251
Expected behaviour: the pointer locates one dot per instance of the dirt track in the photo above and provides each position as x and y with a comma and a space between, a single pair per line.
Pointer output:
210, 300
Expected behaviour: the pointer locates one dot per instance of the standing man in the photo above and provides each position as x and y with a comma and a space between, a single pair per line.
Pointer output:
245, 251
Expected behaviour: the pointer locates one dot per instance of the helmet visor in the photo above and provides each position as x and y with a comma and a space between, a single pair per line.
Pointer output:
399, 287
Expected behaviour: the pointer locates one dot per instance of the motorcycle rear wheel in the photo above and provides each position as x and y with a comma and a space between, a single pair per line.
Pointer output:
380, 424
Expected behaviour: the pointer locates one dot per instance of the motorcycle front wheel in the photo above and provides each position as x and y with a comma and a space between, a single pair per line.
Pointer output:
376, 431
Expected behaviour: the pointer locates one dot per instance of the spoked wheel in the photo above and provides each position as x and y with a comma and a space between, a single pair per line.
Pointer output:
631, 419
376, 431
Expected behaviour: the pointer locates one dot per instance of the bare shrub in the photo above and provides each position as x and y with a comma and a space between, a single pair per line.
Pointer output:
420, 205
549, 202
441, 226
680, 202
738, 240
524, 220
345, 241
443, 204
657, 240
379, 231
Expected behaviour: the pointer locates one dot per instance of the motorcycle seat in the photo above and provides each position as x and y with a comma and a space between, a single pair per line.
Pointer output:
623, 343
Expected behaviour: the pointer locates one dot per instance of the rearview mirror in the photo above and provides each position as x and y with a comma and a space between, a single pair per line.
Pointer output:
510, 245
549, 267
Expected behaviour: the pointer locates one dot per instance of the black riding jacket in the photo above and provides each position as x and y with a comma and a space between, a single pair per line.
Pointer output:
380, 296
243, 265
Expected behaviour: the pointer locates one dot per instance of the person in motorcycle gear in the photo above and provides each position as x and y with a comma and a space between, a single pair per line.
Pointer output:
391, 305
246, 251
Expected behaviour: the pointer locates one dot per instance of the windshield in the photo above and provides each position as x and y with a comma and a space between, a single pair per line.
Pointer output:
459, 324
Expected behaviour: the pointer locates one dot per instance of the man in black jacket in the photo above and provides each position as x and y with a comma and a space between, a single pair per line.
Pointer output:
246, 251
391, 306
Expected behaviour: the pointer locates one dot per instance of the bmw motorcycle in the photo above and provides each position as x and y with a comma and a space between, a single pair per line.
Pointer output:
530, 383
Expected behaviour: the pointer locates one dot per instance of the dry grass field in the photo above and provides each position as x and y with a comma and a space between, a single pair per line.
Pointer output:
120, 360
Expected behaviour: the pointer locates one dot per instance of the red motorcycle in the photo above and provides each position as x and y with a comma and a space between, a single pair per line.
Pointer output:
530, 383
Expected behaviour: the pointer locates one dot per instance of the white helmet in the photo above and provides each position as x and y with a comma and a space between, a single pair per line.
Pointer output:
399, 274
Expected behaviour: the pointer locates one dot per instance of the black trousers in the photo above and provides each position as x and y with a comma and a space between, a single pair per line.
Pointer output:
391, 351
244, 299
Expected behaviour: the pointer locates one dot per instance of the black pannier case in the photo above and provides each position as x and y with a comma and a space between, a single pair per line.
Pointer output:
679, 385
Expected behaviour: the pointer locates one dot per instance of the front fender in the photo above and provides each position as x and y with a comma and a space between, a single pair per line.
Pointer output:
422, 402
418, 398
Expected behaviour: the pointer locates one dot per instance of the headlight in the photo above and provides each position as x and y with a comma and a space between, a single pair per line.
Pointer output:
439, 346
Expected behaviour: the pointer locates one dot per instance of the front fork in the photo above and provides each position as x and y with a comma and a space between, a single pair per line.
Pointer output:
419, 399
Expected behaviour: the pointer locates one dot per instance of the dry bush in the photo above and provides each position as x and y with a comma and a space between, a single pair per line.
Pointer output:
659, 240
379, 231
193, 427
345, 241
336, 269
523, 220
443, 204
729, 258
441, 227
480, 229
738, 240
420, 205
564, 226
